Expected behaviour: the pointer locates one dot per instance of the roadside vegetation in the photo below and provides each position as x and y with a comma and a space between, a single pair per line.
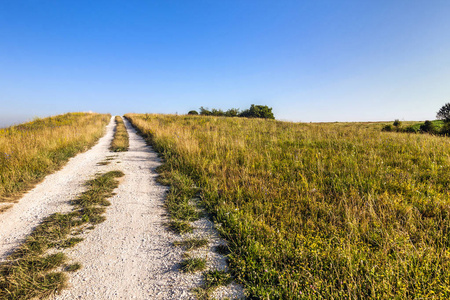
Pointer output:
30, 151
36, 269
311, 211
120, 142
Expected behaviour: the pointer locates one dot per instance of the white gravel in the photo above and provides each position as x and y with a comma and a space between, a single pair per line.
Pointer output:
130, 255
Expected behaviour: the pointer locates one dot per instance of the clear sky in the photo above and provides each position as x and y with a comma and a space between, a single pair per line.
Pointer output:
310, 60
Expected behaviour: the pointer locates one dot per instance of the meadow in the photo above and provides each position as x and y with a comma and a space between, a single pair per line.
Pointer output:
30, 151
316, 211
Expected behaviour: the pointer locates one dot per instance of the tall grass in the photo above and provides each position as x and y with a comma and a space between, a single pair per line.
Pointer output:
30, 151
314, 211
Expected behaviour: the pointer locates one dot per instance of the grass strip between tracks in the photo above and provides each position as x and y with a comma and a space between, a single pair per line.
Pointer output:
120, 143
30, 271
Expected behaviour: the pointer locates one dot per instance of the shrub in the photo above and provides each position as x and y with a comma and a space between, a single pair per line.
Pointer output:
445, 130
217, 112
204, 111
397, 123
411, 129
428, 127
193, 112
258, 111
387, 128
255, 111
232, 112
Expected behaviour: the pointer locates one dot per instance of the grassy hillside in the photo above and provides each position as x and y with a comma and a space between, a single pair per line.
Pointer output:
32, 150
315, 211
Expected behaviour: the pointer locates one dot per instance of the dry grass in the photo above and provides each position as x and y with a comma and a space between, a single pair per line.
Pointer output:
120, 143
337, 210
30, 151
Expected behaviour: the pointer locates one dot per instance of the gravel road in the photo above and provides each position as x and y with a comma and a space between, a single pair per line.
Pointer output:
130, 255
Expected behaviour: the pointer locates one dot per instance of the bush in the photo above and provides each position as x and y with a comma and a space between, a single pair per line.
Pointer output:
445, 130
233, 112
428, 127
255, 111
397, 123
258, 111
387, 128
411, 129
217, 112
193, 112
204, 111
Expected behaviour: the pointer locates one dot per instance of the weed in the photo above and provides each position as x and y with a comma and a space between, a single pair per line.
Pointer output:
179, 226
222, 249
192, 244
215, 278
68, 243
192, 265
201, 293
73, 267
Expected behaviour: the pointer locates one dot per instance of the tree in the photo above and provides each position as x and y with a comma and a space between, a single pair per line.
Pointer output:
204, 111
444, 113
217, 112
193, 112
258, 111
232, 112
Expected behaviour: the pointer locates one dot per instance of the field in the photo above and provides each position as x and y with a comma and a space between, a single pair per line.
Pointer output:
30, 151
312, 211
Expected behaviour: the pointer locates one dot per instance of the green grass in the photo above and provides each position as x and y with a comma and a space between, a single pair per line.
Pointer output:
192, 244
211, 280
215, 278
29, 272
222, 249
120, 142
179, 227
192, 265
73, 267
311, 211
30, 151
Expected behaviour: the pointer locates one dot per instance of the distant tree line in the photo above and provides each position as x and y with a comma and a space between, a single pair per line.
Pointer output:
439, 126
255, 111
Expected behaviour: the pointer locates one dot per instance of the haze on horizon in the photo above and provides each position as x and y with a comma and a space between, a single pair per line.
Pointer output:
309, 60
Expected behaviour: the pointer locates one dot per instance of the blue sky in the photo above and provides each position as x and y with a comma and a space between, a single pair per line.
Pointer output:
310, 60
